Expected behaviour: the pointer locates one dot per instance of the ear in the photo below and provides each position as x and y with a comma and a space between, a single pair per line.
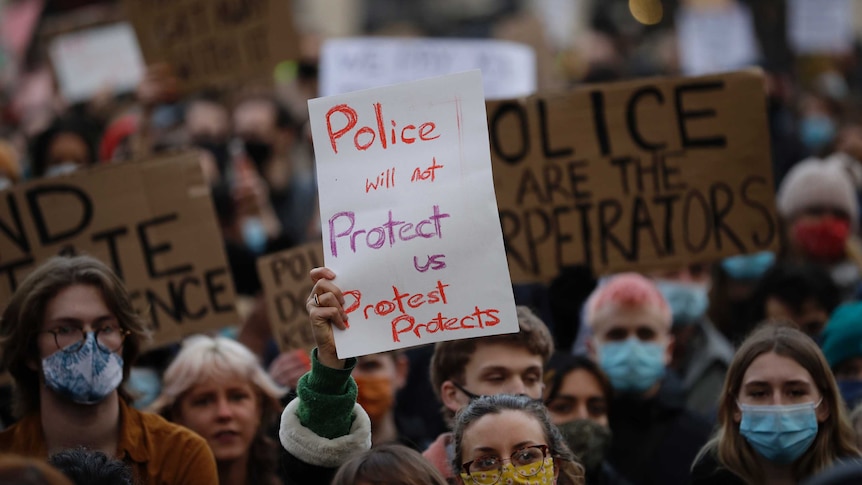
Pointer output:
668, 352
402, 371
451, 396
822, 411
737, 415
33, 365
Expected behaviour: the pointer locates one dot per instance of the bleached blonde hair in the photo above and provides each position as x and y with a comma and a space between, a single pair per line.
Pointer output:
218, 358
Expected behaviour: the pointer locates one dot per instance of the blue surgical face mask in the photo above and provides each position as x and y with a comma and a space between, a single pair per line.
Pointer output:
632, 366
817, 131
145, 385
688, 302
87, 376
781, 433
748, 267
254, 235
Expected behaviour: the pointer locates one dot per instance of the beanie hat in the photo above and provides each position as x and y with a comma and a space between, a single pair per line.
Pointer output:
814, 182
842, 337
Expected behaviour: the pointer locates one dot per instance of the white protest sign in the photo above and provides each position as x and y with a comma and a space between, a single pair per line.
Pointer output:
347, 65
715, 38
409, 216
820, 26
90, 60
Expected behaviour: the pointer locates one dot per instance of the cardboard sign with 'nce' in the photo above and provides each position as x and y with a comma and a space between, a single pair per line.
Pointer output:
648, 173
286, 287
215, 42
152, 222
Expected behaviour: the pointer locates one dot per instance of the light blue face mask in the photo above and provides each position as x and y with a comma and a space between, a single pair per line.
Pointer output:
632, 366
688, 302
748, 266
87, 376
780, 433
817, 131
254, 235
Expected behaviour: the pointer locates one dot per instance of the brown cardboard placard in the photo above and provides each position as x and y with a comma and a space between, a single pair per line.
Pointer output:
636, 175
215, 43
153, 222
286, 286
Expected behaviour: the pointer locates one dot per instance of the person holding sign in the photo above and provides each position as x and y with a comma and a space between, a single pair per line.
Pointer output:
324, 426
68, 337
655, 437
780, 417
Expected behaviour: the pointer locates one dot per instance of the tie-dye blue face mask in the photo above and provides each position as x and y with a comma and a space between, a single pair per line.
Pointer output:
87, 376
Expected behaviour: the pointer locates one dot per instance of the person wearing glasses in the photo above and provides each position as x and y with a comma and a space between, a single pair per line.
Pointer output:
504, 438
68, 337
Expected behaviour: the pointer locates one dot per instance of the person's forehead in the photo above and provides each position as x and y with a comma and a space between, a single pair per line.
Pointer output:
503, 355
503, 431
580, 382
254, 112
629, 318
775, 369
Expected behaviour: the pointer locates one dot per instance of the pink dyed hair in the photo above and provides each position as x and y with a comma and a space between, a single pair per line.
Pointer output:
627, 290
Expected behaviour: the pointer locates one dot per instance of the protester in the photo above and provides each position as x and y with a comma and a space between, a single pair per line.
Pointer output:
701, 353
818, 204
733, 285
217, 388
577, 395
379, 377
67, 145
462, 370
655, 437
324, 426
510, 439
86, 467
388, 463
68, 337
803, 294
842, 347
780, 418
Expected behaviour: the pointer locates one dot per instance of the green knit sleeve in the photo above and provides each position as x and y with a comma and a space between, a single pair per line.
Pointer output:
326, 398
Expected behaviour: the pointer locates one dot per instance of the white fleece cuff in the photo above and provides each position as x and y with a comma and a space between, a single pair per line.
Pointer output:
316, 450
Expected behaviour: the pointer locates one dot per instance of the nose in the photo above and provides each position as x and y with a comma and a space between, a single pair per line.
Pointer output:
581, 411
224, 410
517, 386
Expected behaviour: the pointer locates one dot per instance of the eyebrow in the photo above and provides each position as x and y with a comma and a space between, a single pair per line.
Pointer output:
98, 319
766, 383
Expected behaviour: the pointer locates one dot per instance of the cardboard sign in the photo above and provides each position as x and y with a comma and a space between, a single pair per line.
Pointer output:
286, 287
90, 60
215, 43
820, 26
651, 173
715, 38
410, 222
152, 222
346, 65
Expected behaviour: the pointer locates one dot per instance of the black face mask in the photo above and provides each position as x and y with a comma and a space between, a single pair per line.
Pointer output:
259, 152
219, 151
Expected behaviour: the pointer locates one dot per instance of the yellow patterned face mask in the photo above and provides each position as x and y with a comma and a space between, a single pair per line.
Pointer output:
535, 474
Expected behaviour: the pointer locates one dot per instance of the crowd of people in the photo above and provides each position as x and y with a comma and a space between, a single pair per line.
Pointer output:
742, 370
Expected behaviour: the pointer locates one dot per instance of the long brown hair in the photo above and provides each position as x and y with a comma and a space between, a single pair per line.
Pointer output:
24, 316
835, 436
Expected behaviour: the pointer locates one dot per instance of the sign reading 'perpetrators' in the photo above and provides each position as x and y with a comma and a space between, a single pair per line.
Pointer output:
286, 287
346, 65
650, 173
152, 222
410, 222
215, 42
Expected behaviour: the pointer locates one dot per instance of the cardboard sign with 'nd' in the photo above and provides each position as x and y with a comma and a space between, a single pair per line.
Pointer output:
286, 287
215, 43
152, 222
649, 173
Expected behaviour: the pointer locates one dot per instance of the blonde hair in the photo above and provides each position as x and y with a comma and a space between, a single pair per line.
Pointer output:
205, 358
211, 358
835, 436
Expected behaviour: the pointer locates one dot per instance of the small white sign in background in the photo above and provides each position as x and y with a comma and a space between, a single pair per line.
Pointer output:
409, 216
351, 64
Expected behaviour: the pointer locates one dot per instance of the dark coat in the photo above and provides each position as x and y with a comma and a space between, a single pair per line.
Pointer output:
707, 471
656, 440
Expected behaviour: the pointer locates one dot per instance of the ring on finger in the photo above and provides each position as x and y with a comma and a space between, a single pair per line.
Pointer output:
316, 300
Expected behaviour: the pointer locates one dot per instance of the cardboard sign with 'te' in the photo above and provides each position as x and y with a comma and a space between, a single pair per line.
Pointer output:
152, 222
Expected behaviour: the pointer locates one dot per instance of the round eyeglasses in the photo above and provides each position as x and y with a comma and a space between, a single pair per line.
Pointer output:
527, 462
71, 339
